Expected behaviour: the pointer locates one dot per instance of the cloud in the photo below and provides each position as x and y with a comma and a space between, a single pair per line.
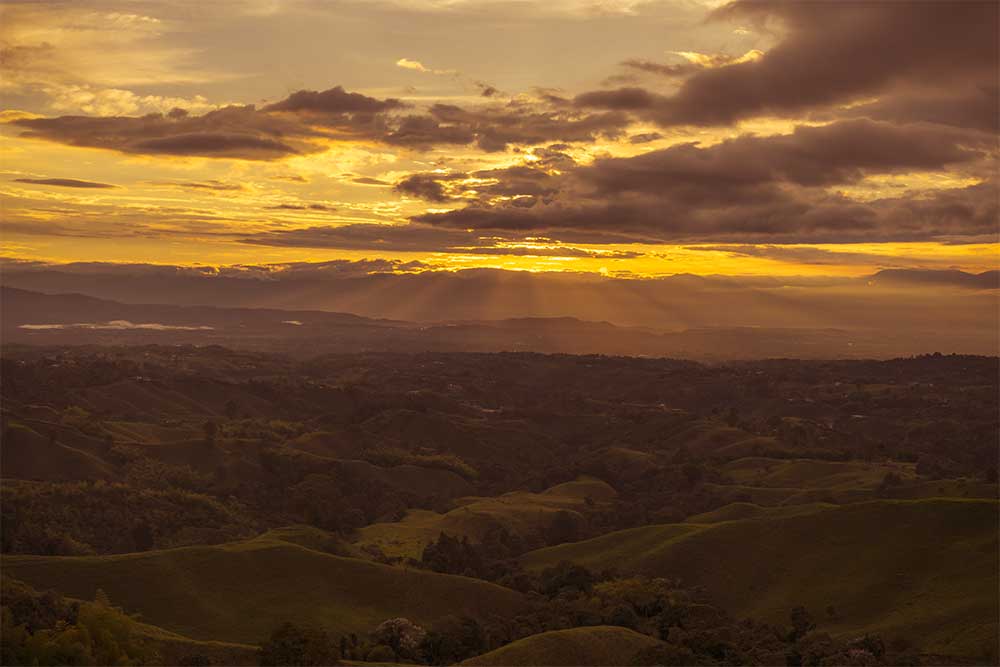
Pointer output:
548, 251
975, 106
494, 128
332, 269
367, 180
829, 55
417, 66
521, 182
215, 144
748, 188
622, 99
309, 121
836, 52
117, 101
64, 182
427, 186
487, 90
783, 216
841, 152
421, 238
300, 124
336, 100
303, 207
693, 62
213, 185
234, 132
398, 238
644, 138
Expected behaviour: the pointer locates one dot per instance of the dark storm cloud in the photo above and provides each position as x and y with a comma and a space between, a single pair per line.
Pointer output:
429, 186
402, 238
838, 153
214, 185
235, 131
768, 187
302, 122
64, 182
683, 69
625, 99
644, 138
548, 251
495, 128
215, 144
520, 180
795, 215
831, 53
976, 107
425, 131
835, 52
292, 126
418, 238
336, 100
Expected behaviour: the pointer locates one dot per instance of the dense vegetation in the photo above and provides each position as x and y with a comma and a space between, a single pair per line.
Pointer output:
496, 509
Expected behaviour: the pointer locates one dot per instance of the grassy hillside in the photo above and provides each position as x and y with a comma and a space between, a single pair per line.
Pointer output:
26, 454
813, 474
737, 511
239, 592
520, 512
925, 569
173, 648
598, 645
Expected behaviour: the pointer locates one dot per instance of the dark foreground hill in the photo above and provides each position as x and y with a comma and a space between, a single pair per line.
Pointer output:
599, 645
509, 508
925, 570
240, 592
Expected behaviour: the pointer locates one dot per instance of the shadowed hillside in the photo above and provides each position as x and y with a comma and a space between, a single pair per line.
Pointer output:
600, 645
239, 592
925, 569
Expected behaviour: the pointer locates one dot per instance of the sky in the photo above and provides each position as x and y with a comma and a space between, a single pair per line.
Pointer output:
616, 137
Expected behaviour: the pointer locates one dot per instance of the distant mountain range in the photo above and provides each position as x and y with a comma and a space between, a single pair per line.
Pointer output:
888, 300
916, 277
59, 319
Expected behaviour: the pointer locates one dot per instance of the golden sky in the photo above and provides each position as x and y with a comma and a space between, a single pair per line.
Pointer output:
618, 137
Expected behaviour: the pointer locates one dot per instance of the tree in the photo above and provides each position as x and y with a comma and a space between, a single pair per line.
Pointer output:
402, 635
452, 640
622, 615
665, 655
298, 645
566, 576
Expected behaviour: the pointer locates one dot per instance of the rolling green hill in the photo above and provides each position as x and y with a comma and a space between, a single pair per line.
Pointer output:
241, 591
520, 512
173, 648
737, 511
598, 645
926, 570
811, 473
26, 454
